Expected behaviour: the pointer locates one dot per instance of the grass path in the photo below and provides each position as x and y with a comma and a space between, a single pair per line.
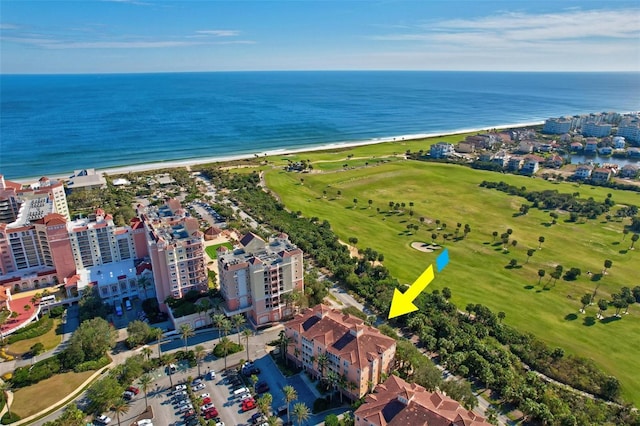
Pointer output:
477, 272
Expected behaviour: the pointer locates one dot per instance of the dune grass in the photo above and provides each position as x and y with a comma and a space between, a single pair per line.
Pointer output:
477, 271
35, 398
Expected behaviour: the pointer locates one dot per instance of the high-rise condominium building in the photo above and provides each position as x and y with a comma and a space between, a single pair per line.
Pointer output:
257, 277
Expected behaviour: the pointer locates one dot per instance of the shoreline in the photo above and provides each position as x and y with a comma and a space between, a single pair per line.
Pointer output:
170, 164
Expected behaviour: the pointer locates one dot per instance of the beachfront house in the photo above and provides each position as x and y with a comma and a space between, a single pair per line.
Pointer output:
583, 171
601, 175
441, 150
629, 171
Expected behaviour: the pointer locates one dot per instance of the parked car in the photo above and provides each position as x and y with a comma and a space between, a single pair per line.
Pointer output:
128, 395
198, 387
211, 413
206, 407
181, 387
133, 389
248, 404
104, 419
258, 418
212, 375
262, 387
145, 422
250, 370
282, 410
206, 401
205, 395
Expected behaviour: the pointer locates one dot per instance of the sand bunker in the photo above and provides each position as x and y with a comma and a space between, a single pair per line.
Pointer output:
427, 248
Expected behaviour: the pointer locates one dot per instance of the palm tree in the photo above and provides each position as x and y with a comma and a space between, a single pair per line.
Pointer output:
144, 381
607, 265
226, 327
246, 333
290, 395
501, 316
332, 379
322, 359
238, 321
541, 274
585, 300
494, 234
301, 412
120, 406
225, 344
217, 320
169, 359
634, 238
264, 403
625, 232
602, 306
284, 341
186, 331
156, 334
540, 241
144, 282
146, 351
199, 351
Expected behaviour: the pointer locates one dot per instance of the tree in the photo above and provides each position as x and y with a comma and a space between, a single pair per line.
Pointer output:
199, 352
290, 395
225, 343
513, 263
301, 412
322, 359
94, 337
246, 333
602, 306
607, 265
264, 403
120, 406
494, 234
530, 253
169, 359
72, 416
370, 203
146, 351
156, 334
332, 379
555, 275
217, 320
103, 393
514, 243
541, 274
501, 316
634, 238
283, 342
186, 331
4, 388
355, 202
540, 241
238, 321
625, 232
145, 381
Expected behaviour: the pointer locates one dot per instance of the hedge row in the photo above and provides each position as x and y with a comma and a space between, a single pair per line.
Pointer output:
38, 328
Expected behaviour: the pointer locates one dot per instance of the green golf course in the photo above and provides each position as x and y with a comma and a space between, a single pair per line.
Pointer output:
353, 189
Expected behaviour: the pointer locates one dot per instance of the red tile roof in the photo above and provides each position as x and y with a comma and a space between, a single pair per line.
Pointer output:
399, 403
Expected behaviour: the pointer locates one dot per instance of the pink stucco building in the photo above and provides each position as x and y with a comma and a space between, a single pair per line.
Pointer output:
355, 351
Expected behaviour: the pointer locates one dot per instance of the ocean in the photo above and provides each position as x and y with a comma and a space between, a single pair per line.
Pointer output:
51, 125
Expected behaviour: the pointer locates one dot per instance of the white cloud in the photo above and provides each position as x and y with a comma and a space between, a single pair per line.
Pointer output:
5, 26
220, 33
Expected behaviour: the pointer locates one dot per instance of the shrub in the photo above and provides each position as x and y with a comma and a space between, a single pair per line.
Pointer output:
56, 312
218, 351
8, 419
25, 376
91, 365
38, 328
320, 405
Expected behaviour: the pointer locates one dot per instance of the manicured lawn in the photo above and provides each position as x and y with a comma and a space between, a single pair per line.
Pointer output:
33, 399
211, 250
476, 272
50, 340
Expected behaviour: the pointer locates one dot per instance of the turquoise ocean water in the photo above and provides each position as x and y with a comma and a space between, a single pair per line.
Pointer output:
53, 124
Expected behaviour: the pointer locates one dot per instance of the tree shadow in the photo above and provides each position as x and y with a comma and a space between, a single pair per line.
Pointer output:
571, 317
546, 224
528, 287
589, 321
612, 318
486, 243
615, 243
623, 251
596, 277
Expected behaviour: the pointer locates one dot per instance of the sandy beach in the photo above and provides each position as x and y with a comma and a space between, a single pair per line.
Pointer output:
325, 147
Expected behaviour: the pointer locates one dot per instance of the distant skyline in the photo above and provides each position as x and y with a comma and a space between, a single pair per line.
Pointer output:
128, 36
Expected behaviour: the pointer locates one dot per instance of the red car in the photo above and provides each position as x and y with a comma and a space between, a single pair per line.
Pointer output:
248, 404
211, 413
133, 389
206, 400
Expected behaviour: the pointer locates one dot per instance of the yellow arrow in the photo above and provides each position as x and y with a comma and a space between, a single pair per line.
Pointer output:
403, 303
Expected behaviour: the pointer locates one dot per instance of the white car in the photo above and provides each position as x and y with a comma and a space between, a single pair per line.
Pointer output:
145, 422
206, 407
185, 407
181, 387
199, 386
105, 420
205, 395
219, 423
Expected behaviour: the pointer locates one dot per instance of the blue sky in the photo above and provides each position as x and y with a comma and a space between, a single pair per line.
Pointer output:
105, 36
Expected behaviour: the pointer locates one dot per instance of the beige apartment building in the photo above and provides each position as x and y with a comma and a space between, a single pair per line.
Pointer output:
256, 276
355, 351
175, 245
